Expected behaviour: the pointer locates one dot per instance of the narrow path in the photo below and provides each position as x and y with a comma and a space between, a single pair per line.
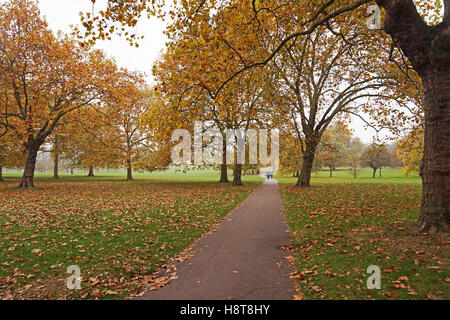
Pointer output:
243, 259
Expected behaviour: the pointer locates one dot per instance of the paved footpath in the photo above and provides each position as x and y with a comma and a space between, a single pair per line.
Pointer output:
243, 259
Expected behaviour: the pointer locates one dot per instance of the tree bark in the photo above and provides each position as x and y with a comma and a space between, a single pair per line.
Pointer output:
1, 172
237, 180
91, 171
435, 211
374, 172
129, 170
331, 172
56, 166
224, 173
30, 165
380, 171
304, 179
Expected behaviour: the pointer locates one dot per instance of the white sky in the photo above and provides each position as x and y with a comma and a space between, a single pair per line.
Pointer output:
60, 14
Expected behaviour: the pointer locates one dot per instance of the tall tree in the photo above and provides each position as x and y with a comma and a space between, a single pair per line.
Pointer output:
128, 100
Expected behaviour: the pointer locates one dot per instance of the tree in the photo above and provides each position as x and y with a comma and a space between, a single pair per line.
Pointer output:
375, 156
332, 149
186, 77
354, 152
323, 77
45, 78
131, 139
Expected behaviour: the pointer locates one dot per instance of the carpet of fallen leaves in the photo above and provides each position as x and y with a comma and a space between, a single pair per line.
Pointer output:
118, 233
339, 230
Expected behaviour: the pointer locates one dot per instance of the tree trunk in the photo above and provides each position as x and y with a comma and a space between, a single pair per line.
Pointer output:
56, 166
304, 179
30, 165
223, 167
380, 171
1, 172
91, 171
428, 50
224, 173
129, 170
331, 172
237, 181
374, 172
435, 212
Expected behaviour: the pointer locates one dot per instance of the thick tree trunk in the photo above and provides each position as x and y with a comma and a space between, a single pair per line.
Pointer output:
91, 171
237, 180
304, 179
1, 172
30, 165
427, 48
331, 172
435, 212
56, 167
129, 170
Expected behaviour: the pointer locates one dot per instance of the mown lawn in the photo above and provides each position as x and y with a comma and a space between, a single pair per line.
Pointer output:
117, 232
339, 229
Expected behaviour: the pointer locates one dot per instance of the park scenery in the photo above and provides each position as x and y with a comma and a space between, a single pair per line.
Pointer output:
225, 150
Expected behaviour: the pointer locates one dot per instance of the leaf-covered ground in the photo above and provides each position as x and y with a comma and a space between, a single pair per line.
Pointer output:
339, 229
116, 232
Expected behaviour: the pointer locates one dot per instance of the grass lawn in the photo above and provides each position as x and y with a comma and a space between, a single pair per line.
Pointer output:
341, 226
117, 232
363, 176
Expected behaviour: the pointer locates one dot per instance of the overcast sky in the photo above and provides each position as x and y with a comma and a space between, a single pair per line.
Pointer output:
60, 14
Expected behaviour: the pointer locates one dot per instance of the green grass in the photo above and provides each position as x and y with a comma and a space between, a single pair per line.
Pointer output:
389, 175
173, 174
339, 229
117, 232
120, 232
